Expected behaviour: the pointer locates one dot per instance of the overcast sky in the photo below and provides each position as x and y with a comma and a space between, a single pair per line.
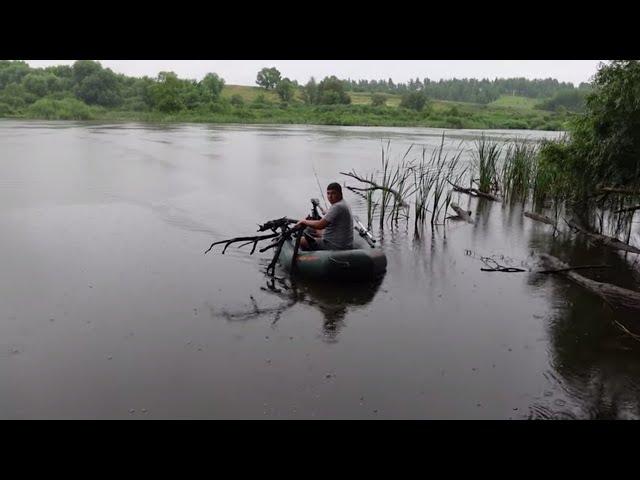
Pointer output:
243, 72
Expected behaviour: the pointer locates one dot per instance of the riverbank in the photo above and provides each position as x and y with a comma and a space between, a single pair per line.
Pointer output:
353, 115
265, 110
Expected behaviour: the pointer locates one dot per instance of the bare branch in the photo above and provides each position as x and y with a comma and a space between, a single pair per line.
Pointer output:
603, 239
256, 238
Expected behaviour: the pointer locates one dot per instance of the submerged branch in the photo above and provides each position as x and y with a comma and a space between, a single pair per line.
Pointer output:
496, 267
539, 218
603, 239
462, 214
567, 269
474, 192
620, 191
630, 209
612, 294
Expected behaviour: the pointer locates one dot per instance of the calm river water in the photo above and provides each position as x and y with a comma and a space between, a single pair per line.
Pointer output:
109, 309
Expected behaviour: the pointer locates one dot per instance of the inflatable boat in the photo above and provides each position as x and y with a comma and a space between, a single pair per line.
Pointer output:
363, 262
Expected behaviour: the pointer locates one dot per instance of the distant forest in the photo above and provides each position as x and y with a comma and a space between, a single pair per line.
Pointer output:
86, 87
471, 90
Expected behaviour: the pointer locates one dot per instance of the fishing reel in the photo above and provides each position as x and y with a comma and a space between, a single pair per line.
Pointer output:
364, 233
275, 224
314, 210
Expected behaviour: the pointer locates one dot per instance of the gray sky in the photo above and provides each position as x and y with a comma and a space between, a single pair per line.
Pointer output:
243, 72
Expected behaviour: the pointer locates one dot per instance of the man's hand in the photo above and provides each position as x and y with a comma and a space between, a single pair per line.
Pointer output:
301, 223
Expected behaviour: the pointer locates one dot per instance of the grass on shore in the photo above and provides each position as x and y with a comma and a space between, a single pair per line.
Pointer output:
439, 114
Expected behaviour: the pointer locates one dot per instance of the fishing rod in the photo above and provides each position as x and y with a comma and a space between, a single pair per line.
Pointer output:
364, 233
319, 188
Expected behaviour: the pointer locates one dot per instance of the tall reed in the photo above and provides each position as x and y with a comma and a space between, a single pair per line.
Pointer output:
519, 169
485, 160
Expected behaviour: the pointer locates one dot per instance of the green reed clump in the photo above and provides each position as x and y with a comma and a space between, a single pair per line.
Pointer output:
401, 187
443, 169
394, 187
485, 159
423, 180
386, 180
519, 169
371, 203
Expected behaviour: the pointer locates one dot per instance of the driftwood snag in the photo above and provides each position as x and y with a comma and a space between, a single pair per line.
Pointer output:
474, 192
629, 209
279, 237
612, 294
462, 214
603, 239
493, 266
578, 267
540, 218
619, 191
374, 186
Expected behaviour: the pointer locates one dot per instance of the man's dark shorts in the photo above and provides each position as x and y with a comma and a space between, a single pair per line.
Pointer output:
317, 243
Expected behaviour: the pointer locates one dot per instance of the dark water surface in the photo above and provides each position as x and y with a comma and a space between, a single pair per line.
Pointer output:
109, 309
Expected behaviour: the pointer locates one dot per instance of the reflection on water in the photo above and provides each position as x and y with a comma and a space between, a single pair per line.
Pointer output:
594, 363
594, 352
333, 300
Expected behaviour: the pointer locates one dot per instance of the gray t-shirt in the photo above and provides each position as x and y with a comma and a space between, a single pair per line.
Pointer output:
339, 233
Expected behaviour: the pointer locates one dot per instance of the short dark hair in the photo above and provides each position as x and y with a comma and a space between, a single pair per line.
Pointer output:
335, 186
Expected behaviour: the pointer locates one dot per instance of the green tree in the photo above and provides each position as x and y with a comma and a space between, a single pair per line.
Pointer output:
378, 99
41, 84
101, 87
415, 100
6, 109
285, 90
12, 72
83, 69
268, 78
310, 92
212, 85
572, 100
60, 71
260, 100
16, 96
606, 139
65, 109
331, 92
192, 95
237, 100
165, 93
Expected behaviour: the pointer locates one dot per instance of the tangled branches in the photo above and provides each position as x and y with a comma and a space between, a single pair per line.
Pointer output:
281, 233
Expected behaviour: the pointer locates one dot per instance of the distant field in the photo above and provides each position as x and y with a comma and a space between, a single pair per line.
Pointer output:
516, 102
249, 93
362, 98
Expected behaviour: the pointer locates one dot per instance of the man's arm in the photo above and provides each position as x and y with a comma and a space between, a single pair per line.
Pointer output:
317, 224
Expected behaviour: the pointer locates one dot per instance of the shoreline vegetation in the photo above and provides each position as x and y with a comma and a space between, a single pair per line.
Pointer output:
87, 91
587, 182
443, 114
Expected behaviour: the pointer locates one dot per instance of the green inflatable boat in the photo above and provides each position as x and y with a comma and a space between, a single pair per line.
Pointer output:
363, 262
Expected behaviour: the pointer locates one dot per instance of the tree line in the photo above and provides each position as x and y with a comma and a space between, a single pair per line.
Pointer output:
468, 89
88, 83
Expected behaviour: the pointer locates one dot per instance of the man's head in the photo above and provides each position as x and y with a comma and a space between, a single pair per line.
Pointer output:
334, 193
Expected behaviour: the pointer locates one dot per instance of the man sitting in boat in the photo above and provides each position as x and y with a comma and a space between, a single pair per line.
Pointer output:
334, 231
